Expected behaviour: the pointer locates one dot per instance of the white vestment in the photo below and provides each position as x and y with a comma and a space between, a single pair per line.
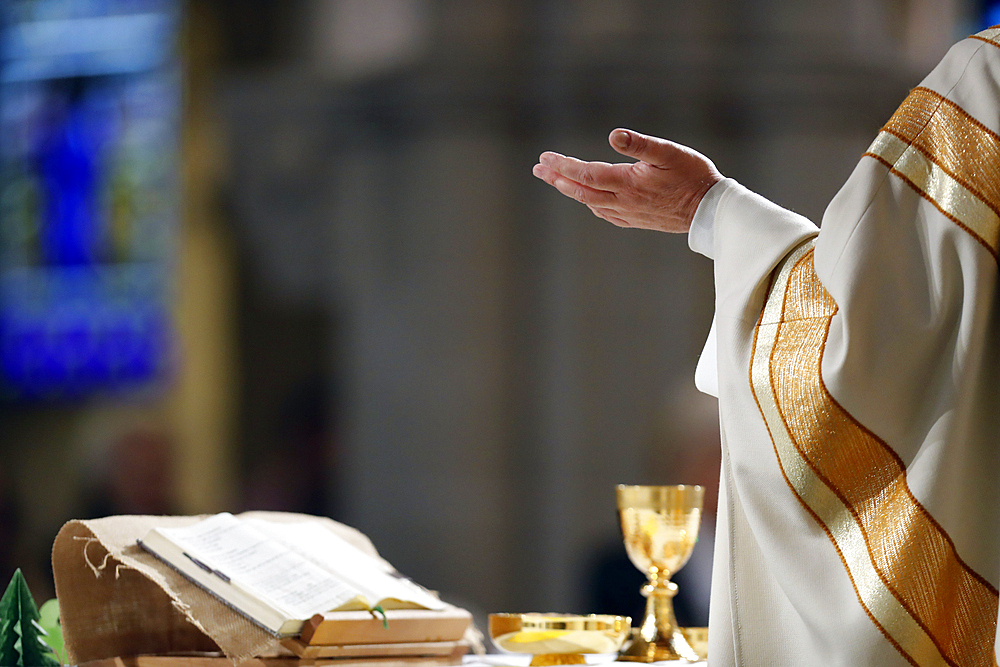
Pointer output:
858, 376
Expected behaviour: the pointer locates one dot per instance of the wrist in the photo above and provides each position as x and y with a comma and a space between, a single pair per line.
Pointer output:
697, 196
701, 235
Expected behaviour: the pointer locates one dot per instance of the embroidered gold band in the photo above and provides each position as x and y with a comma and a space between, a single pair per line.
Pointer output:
991, 35
949, 158
907, 575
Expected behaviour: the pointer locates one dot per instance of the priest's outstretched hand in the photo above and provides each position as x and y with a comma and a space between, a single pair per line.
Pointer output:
661, 191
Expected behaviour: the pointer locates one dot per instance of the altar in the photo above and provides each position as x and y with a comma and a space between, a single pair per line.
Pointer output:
124, 605
489, 660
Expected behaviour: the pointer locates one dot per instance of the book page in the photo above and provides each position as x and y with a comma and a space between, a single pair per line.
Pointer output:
372, 577
250, 560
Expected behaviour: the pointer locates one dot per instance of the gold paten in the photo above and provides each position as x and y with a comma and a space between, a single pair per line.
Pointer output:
660, 528
698, 639
558, 639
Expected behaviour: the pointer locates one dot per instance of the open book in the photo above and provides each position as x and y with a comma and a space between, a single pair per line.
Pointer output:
282, 574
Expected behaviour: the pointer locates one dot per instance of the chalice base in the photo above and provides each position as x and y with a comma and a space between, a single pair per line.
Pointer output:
672, 647
549, 659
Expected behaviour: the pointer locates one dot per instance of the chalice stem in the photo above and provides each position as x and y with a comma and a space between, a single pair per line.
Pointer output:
658, 637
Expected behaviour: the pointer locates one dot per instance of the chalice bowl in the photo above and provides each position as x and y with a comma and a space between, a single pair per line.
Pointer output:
660, 528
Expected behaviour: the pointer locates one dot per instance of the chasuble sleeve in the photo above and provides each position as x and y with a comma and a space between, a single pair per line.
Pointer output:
747, 235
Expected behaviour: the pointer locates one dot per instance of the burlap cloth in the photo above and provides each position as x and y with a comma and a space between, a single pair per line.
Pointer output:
115, 599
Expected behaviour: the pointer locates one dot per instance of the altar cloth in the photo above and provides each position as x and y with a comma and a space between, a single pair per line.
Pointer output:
503, 660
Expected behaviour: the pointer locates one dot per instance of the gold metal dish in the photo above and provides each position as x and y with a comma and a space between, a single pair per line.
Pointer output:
559, 639
698, 639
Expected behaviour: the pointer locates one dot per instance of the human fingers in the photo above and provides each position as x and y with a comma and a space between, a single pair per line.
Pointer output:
572, 189
598, 175
653, 150
610, 215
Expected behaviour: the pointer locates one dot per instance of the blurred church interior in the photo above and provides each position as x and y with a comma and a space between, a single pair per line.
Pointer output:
375, 313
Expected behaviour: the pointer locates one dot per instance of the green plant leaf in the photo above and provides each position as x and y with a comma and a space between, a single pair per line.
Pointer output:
21, 643
10, 638
8, 603
49, 613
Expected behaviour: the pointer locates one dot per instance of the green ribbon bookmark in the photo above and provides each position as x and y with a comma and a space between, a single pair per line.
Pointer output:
377, 609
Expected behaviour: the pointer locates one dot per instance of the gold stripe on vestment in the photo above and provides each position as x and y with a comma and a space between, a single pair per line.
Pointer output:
904, 568
949, 158
949, 195
991, 35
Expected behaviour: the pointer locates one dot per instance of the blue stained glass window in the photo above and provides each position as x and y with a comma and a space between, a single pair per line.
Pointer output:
89, 132
990, 13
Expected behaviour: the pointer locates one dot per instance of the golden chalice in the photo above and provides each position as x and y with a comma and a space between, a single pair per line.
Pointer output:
660, 528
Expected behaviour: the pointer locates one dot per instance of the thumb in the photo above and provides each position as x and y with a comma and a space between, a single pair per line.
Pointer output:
642, 147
